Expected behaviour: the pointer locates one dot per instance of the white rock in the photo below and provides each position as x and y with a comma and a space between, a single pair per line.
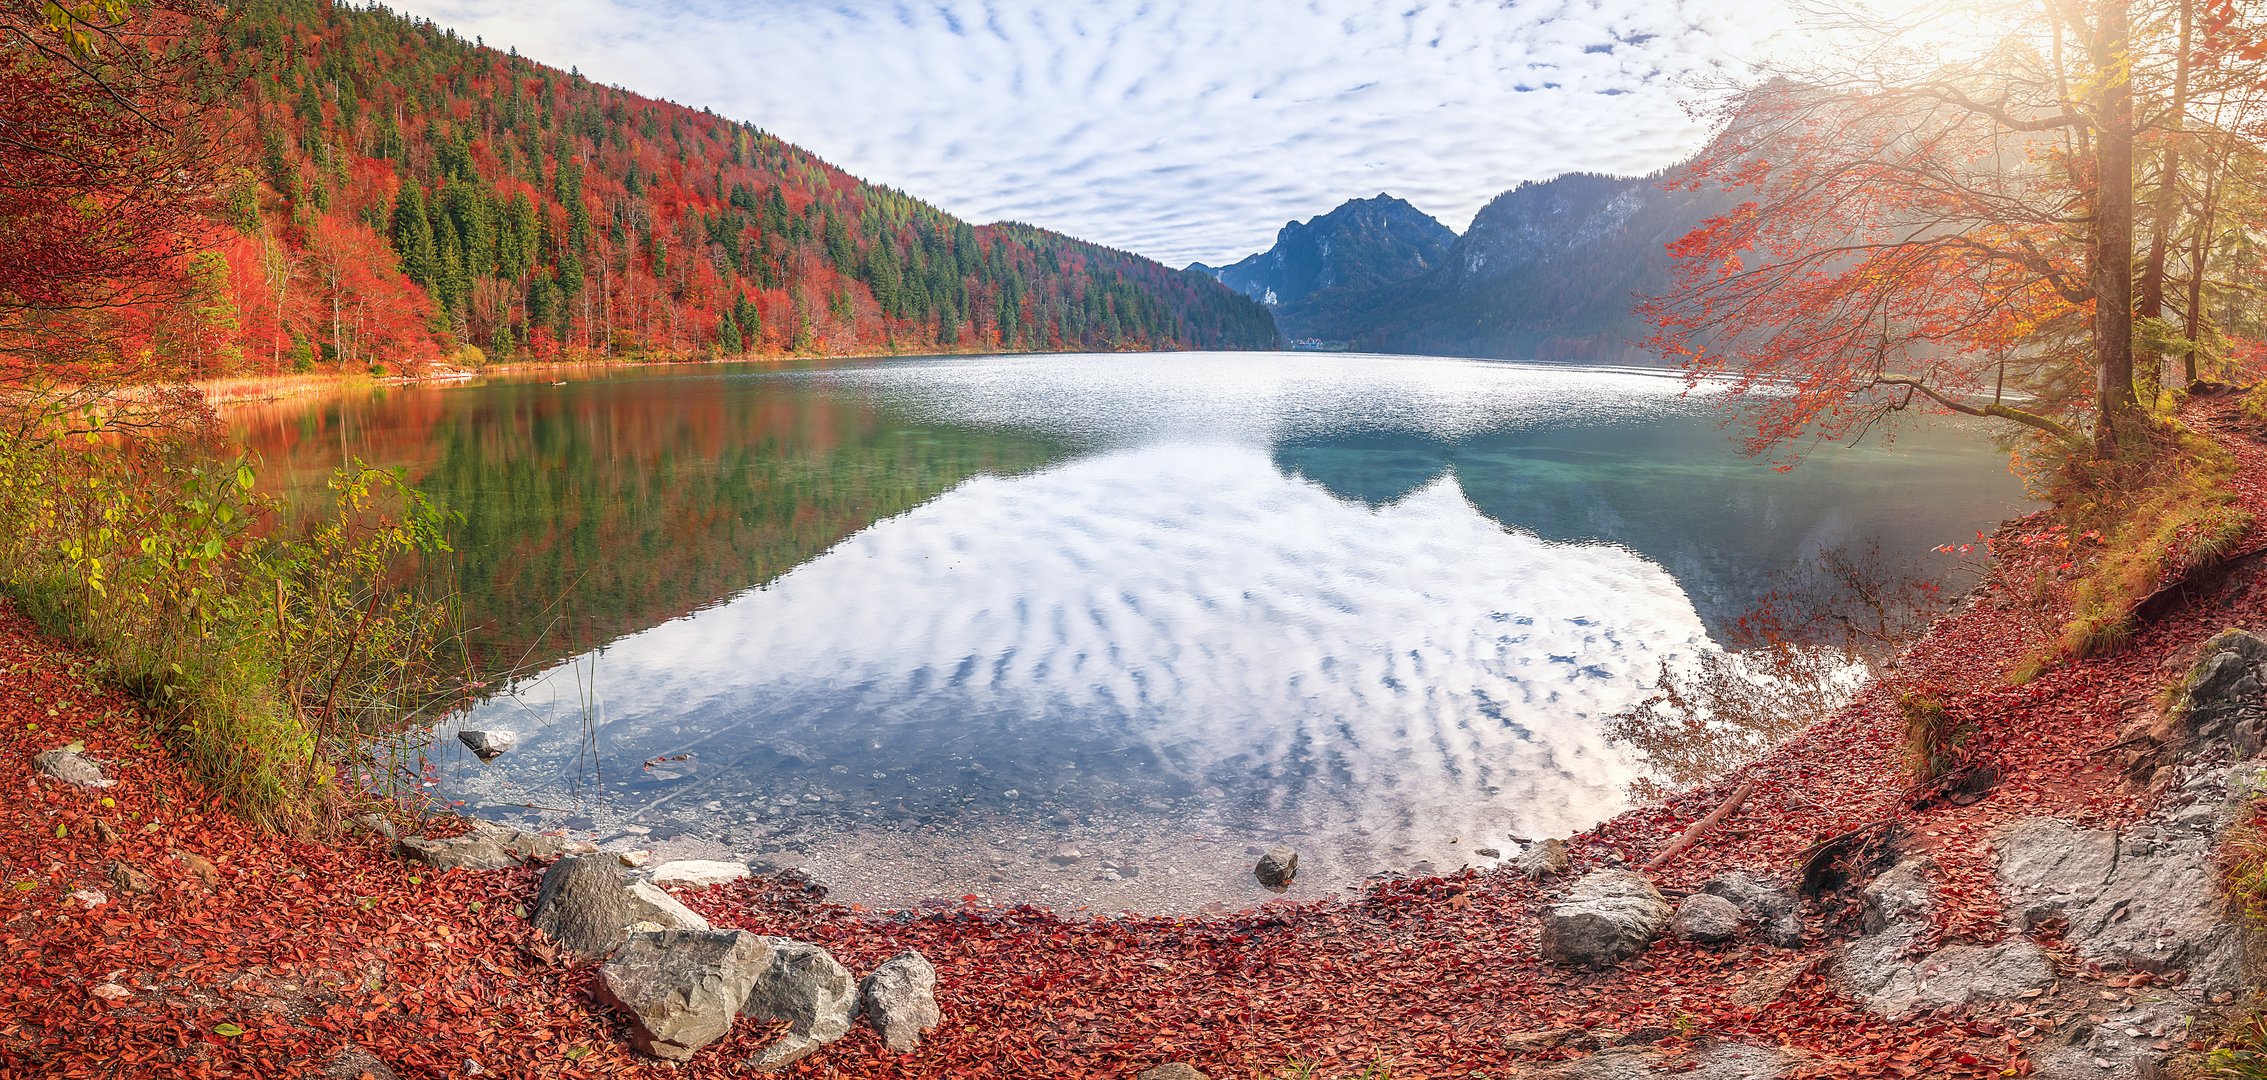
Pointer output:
699, 873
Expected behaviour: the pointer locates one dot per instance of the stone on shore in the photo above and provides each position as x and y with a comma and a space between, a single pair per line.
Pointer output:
1176, 1070
804, 986
589, 906
699, 873
1606, 917
487, 846
1880, 970
71, 765
1277, 868
900, 999
1707, 919
1770, 905
1545, 858
681, 988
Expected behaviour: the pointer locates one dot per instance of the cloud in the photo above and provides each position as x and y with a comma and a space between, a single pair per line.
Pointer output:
1182, 129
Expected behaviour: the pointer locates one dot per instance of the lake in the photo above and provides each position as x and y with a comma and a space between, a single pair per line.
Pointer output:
1091, 631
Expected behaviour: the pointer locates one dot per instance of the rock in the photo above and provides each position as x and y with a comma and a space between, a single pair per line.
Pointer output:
1880, 971
1706, 918
1606, 917
110, 991
699, 873
375, 825
1724, 1061
634, 859
486, 745
199, 867
1487, 853
1171, 1071
804, 986
588, 906
1277, 868
2222, 697
2131, 1043
1766, 902
351, 1062
900, 999
125, 878
2142, 900
1066, 854
1545, 858
89, 899
487, 846
1542, 1039
71, 765
681, 988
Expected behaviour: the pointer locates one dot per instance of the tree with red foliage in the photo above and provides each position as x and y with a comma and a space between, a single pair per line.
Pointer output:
1952, 235
108, 174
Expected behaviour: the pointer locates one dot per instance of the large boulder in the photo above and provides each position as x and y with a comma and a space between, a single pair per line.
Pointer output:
2222, 699
1605, 918
681, 988
1879, 969
2145, 899
589, 905
804, 986
900, 1000
1768, 904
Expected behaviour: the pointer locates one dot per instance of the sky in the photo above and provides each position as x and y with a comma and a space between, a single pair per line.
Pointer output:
1181, 129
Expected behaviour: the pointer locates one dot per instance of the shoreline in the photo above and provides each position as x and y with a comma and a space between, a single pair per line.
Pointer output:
1435, 976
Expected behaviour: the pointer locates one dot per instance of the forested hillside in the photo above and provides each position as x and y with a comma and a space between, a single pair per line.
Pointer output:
415, 197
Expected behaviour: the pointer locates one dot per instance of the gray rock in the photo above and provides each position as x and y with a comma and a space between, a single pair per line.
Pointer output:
681, 988
589, 906
1724, 1061
900, 1000
70, 765
2222, 697
1771, 905
487, 846
375, 825
1277, 868
486, 745
699, 873
1706, 918
351, 1062
804, 986
1606, 917
1880, 971
1172, 1071
2135, 900
2124, 1046
1545, 858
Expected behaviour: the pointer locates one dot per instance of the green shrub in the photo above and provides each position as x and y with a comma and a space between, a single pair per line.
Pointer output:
270, 661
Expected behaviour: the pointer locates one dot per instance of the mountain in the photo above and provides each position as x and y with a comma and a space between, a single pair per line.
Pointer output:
1549, 270
1361, 245
410, 193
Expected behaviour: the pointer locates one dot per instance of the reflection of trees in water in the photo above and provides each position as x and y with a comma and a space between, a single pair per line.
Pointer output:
1830, 625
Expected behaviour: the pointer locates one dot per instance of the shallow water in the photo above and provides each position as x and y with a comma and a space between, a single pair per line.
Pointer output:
1092, 630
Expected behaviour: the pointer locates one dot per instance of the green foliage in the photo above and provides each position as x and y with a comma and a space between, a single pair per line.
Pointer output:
256, 652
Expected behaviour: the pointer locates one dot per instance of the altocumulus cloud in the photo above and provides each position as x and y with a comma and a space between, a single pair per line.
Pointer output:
1181, 129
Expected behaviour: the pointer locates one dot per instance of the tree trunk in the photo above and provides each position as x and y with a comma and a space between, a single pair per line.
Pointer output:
2113, 224
2152, 284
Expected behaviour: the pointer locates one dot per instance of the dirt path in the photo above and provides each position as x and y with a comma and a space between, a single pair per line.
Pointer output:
309, 948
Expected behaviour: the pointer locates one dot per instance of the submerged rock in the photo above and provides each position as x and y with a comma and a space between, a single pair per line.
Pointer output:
681, 988
804, 986
1277, 868
589, 906
1606, 917
900, 999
